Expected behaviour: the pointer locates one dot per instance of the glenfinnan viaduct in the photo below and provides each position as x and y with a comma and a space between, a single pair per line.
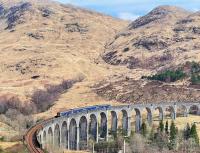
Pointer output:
72, 129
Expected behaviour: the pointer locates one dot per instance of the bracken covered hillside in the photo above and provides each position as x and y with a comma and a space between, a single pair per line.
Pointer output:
164, 38
54, 32
163, 50
44, 42
127, 90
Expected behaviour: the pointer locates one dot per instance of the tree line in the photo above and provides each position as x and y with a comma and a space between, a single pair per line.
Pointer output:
189, 70
167, 76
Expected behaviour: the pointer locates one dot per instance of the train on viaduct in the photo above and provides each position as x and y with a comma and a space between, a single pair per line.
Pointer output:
72, 129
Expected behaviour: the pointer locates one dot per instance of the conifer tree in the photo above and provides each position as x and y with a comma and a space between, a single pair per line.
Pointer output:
193, 134
187, 132
161, 126
166, 128
144, 129
173, 135
152, 134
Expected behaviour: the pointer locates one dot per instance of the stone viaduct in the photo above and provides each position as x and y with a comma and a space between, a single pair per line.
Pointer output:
73, 129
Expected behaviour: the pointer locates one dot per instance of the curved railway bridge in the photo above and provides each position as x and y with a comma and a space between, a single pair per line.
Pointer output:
30, 139
72, 129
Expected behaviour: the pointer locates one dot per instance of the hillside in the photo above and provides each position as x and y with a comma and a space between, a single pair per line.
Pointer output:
44, 42
166, 37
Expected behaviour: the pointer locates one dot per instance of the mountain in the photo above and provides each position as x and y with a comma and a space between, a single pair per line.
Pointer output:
156, 45
44, 42
159, 15
50, 41
166, 37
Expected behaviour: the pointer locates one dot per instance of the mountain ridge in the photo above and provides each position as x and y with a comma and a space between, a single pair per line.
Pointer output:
158, 42
50, 42
159, 13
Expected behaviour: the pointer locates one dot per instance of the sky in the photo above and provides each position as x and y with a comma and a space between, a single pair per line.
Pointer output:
131, 9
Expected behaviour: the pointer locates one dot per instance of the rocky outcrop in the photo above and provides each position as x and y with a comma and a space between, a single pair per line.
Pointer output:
75, 27
152, 43
157, 15
30, 65
46, 12
35, 35
2, 11
15, 13
131, 62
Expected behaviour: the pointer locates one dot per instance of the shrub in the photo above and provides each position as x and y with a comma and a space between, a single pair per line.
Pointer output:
195, 79
194, 72
161, 126
43, 99
173, 136
137, 143
194, 134
144, 129
195, 67
15, 103
6, 103
1, 150
166, 127
17, 120
2, 138
186, 132
110, 147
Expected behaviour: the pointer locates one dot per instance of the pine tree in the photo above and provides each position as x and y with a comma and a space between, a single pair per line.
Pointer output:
187, 132
193, 79
152, 134
144, 129
173, 135
161, 126
166, 128
193, 134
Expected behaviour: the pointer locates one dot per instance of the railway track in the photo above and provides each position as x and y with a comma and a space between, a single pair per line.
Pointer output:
31, 141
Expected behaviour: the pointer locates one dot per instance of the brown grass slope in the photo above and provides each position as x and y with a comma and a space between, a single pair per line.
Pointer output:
50, 40
53, 41
166, 37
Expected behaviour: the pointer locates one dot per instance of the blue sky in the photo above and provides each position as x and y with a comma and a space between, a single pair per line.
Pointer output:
131, 9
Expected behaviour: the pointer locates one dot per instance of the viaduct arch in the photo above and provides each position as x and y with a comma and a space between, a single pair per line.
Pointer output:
64, 135
73, 129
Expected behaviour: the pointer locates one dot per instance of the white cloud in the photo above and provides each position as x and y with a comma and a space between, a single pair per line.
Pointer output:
127, 16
